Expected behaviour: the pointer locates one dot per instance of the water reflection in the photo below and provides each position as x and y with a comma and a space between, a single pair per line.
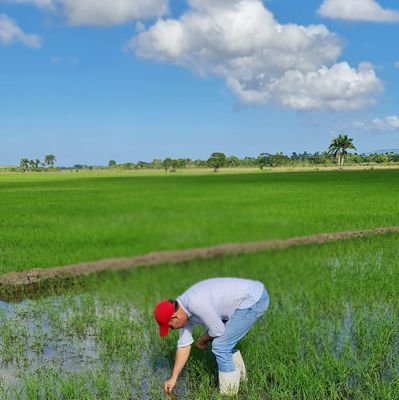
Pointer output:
60, 336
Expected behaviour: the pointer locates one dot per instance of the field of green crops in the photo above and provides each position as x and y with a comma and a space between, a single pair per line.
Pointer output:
57, 219
332, 328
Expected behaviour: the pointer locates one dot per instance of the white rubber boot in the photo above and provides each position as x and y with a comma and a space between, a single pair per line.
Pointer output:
229, 382
239, 364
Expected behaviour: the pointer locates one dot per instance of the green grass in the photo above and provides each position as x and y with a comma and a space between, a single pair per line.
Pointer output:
331, 331
57, 219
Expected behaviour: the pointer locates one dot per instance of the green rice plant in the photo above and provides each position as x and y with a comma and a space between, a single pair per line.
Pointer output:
101, 384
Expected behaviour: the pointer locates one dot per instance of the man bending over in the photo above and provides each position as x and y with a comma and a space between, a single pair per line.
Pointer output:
227, 307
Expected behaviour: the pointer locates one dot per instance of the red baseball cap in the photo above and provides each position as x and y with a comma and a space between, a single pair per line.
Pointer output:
162, 313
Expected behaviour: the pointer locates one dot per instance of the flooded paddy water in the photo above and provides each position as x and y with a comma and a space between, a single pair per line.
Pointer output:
331, 331
69, 346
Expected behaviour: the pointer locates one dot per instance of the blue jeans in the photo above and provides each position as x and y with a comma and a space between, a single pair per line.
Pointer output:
237, 326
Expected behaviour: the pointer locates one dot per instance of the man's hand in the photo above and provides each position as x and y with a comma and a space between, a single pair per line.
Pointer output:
169, 385
202, 341
182, 355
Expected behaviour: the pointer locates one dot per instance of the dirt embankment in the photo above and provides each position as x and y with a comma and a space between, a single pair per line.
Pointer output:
36, 276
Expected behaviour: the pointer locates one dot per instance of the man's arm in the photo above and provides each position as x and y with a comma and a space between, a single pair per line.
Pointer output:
182, 354
206, 312
203, 340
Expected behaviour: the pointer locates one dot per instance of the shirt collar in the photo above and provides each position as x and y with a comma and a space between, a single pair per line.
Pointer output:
184, 308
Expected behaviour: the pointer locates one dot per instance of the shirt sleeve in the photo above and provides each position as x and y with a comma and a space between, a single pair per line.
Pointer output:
185, 336
208, 315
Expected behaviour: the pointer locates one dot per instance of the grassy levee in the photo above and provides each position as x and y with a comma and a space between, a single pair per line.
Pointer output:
331, 331
56, 219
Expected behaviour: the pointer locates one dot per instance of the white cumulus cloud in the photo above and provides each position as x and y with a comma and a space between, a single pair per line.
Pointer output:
357, 10
10, 32
102, 12
110, 12
261, 60
388, 123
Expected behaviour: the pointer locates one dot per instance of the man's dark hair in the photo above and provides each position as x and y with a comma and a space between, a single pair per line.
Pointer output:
175, 303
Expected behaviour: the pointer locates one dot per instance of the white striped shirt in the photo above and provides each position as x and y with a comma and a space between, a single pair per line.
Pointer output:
212, 301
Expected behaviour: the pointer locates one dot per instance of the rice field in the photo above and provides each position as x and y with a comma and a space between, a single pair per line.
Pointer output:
57, 219
331, 331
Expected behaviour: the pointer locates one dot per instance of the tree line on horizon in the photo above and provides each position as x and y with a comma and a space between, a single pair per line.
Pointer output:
337, 152
264, 160
34, 165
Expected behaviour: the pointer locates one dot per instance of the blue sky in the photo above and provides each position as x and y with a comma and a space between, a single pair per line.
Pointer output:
135, 80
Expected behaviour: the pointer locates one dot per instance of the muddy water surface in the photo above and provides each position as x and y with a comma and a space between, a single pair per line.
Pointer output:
48, 342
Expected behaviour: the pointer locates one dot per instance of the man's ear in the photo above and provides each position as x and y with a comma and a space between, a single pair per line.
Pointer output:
174, 315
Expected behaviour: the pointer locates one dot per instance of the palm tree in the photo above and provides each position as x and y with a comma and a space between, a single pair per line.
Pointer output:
34, 164
49, 159
338, 147
24, 164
